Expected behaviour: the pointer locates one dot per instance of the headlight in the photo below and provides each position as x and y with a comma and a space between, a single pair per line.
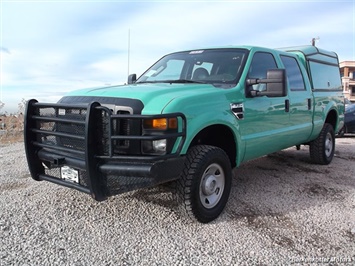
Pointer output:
159, 145
154, 146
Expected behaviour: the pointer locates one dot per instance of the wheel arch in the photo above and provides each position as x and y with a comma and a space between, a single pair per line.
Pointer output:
333, 113
218, 135
332, 118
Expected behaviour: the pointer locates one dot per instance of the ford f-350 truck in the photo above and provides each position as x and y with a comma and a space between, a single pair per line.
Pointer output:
190, 118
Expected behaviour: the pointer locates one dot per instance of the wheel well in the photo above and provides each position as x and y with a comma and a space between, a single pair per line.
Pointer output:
219, 136
332, 118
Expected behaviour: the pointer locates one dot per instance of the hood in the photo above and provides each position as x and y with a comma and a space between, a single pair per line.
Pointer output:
153, 96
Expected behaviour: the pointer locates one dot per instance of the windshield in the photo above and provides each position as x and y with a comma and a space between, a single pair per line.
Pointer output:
212, 66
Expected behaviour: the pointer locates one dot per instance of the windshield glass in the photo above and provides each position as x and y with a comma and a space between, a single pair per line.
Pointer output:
212, 66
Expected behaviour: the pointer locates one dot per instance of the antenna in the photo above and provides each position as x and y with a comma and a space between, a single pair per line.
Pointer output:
129, 50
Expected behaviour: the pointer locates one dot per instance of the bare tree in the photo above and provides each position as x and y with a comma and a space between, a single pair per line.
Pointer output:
21, 106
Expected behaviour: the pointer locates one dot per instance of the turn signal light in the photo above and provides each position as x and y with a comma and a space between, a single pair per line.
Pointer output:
161, 123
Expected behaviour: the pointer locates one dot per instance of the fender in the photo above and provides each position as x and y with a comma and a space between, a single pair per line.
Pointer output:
323, 109
198, 123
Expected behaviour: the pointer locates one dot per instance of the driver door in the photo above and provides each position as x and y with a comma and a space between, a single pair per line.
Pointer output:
265, 118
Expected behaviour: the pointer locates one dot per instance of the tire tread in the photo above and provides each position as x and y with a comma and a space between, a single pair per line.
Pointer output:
317, 148
187, 182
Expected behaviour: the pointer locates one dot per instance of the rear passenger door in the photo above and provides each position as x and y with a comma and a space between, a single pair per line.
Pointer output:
300, 100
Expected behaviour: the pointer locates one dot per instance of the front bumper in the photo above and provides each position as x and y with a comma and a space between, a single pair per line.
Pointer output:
85, 138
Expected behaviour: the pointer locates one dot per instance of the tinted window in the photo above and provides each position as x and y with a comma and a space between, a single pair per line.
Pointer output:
325, 77
293, 72
260, 64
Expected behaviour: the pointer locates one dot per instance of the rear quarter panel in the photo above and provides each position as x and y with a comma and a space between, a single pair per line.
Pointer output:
325, 102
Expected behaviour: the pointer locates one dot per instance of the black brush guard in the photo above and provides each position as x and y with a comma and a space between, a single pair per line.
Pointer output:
105, 148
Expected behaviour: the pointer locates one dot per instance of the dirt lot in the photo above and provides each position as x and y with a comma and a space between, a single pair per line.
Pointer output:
282, 210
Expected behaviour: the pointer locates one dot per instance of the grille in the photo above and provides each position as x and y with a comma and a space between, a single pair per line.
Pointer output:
61, 129
121, 127
71, 128
65, 128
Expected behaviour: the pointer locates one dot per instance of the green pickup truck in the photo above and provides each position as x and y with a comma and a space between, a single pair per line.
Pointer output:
188, 120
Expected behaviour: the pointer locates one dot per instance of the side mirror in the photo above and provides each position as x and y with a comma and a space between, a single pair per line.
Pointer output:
132, 78
275, 84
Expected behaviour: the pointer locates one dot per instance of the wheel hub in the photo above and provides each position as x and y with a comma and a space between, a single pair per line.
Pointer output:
209, 185
328, 145
212, 186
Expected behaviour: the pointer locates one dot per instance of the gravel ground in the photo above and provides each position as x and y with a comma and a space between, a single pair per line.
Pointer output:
282, 210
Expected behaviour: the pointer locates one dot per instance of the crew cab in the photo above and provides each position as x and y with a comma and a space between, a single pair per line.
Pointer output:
189, 119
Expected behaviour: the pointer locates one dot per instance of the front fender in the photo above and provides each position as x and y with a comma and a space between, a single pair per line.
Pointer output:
197, 123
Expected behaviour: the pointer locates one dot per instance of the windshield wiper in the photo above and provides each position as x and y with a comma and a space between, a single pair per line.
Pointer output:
173, 81
151, 81
182, 81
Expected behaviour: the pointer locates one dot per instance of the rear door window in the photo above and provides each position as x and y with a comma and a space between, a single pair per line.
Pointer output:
293, 73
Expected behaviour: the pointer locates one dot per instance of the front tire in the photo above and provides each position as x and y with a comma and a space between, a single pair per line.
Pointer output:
204, 186
322, 148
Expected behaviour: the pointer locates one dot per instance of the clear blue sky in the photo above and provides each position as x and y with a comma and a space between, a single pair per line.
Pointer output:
48, 48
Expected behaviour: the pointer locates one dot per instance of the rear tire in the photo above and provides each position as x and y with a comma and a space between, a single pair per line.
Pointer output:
204, 185
322, 148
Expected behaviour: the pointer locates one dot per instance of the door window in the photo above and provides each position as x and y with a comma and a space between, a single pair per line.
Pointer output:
260, 64
293, 73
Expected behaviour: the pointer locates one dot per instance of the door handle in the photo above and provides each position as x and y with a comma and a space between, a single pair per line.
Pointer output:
309, 100
287, 105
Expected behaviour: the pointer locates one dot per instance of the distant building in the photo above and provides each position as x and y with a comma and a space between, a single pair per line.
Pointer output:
347, 72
